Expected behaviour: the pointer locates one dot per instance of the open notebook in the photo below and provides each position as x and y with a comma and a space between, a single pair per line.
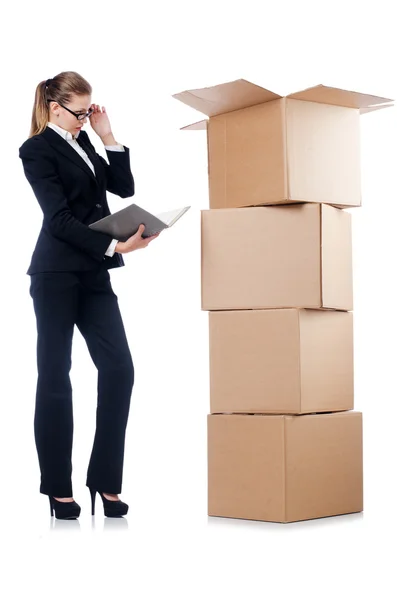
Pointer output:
125, 222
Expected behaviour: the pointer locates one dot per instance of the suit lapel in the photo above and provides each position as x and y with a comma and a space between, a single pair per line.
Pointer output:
60, 144
84, 142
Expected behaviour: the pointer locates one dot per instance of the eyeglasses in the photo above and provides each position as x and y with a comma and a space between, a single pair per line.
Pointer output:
79, 116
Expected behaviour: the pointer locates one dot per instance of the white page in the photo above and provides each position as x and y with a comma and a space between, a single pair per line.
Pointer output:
168, 216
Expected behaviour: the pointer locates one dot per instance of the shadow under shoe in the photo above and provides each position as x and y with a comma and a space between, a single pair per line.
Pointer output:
112, 508
64, 510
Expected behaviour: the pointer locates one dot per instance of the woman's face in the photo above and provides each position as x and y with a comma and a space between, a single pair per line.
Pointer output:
62, 117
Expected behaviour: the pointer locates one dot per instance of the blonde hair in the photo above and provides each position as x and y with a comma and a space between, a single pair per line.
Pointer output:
60, 88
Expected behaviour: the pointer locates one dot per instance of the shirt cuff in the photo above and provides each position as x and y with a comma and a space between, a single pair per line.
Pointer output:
112, 246
116, 148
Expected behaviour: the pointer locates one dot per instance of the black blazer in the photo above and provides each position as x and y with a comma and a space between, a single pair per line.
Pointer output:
71, 198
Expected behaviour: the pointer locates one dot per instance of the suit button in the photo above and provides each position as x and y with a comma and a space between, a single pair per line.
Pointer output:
98, 205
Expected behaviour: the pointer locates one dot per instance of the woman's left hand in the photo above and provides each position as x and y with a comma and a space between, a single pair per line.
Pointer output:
99, 121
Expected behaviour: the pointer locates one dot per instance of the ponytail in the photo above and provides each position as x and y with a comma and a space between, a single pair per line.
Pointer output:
40, 110
60, 89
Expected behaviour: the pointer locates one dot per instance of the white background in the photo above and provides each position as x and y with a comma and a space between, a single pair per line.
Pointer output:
136, 55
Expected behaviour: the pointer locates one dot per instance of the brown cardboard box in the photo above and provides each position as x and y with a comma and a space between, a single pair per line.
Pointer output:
285, 468
268, 149
298, 255
281, 361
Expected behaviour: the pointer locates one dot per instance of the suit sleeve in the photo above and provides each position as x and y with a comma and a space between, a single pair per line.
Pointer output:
40, 171
119, 179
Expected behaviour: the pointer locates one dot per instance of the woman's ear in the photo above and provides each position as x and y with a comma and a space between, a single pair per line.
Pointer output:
54, 108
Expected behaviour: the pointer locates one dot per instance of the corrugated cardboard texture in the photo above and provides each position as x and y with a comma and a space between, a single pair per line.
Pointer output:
240, 93
337, 258
268, 257
339, 97
323, 465
261, 257
226, 97
246, 467
285, 151
281, 361
327, 360
247, 156
323, 149
254, 361
285, 468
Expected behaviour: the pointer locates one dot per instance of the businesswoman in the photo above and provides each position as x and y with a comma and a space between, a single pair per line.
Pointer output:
70, 285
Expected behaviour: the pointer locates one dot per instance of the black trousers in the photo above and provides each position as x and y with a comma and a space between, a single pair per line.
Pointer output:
62, 300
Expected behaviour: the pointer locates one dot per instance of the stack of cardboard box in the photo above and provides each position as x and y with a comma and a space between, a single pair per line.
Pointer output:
284, 440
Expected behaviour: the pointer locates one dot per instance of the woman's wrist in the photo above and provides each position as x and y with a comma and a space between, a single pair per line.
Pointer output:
108, 139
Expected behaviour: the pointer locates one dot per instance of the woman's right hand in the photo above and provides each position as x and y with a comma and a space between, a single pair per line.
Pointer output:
135, 242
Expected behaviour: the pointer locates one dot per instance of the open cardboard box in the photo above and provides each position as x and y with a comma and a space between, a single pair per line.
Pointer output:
267, 149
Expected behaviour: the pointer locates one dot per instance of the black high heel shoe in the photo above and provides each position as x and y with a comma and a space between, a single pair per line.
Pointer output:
64, 510
112, 508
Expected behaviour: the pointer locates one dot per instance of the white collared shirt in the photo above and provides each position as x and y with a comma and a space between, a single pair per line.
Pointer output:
72, 141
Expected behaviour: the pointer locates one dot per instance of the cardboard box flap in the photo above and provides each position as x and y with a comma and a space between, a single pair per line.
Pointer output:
226, 97
329, 95
368, 109
196, 126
